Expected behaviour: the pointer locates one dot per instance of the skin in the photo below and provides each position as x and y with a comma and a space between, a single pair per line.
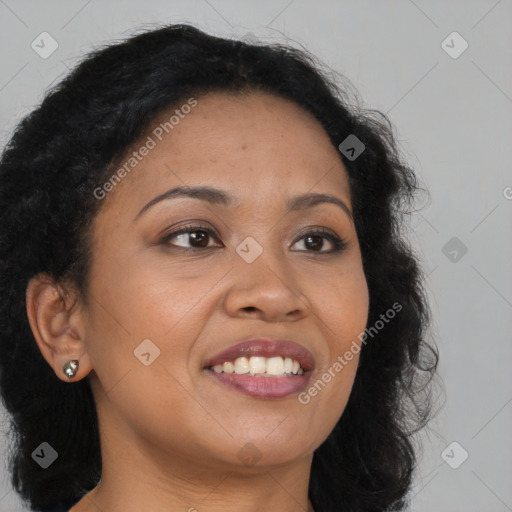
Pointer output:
170, 434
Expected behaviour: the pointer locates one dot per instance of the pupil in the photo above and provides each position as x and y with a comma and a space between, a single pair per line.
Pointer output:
318, 238
201, 238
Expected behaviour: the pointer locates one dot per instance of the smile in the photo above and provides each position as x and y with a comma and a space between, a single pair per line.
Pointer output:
260, 366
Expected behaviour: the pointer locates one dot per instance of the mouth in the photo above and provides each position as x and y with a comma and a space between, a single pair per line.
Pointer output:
263, 368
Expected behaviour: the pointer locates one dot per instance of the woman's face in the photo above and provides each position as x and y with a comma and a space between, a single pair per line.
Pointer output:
260, 275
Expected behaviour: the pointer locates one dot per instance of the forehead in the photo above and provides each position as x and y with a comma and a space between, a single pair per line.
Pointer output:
254, 145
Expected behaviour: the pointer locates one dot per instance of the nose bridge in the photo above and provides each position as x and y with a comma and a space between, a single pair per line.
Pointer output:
262, 252
259, 231
264, 279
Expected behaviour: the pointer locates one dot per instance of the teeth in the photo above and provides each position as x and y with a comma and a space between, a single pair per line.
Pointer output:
242, 365
257, 365
275, 366
227, 367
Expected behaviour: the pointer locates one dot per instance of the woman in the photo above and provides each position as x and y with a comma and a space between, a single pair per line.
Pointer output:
207, 302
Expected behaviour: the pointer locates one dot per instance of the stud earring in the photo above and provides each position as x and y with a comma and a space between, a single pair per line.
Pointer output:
70, 368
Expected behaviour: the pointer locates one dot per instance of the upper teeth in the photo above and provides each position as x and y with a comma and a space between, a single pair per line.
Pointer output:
257, 365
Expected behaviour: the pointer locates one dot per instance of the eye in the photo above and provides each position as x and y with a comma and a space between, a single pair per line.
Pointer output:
314, 240
197, 236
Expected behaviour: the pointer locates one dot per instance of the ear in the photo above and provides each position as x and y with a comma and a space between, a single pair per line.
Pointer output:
56, 320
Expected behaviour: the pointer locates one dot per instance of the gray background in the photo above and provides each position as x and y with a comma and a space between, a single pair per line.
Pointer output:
453, 120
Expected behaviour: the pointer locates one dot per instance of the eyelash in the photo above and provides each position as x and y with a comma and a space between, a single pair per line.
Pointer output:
339, 244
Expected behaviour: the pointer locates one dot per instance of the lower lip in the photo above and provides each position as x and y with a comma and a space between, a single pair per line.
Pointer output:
263, 387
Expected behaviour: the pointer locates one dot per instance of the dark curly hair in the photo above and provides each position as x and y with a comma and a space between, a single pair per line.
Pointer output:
62, 151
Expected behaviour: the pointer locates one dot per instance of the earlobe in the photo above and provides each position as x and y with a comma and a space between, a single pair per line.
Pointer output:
56, 327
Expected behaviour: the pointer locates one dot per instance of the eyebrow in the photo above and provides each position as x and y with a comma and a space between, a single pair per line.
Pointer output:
222, 198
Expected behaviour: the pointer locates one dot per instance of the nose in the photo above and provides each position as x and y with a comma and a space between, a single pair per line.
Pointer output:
266, 289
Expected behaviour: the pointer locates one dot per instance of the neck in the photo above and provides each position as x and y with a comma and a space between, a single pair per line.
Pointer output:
138, 476
275, 489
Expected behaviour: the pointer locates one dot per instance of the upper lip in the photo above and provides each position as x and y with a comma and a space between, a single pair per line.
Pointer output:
265, 348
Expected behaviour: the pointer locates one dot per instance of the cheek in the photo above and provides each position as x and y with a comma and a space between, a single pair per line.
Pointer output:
149, 296
145, 299
344, 313
344, 307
